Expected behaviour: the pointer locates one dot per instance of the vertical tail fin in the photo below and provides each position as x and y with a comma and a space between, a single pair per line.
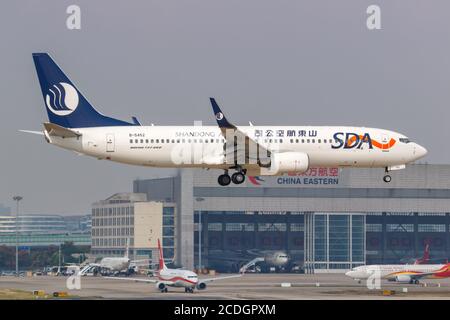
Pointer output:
162, 264
65, 104
426, 253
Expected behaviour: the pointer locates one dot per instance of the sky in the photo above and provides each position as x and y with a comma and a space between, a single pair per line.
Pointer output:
272, 62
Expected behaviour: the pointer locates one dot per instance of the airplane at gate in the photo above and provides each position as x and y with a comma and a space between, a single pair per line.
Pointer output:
74, 124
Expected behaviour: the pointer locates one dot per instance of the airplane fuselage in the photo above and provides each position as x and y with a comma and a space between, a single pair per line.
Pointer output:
391, 272
203, 146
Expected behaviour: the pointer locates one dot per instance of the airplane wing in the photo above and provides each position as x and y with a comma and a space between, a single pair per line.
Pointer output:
220, 278
258, 151
134, 279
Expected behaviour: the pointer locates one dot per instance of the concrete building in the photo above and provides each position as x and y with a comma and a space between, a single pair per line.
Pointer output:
41, 230
129, 218
325, 219
32, 223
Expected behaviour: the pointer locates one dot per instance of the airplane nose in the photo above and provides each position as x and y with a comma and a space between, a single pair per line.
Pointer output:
420, 151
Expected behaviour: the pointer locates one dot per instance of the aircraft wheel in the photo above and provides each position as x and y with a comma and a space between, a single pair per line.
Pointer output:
224, 180
387, 178
238, 178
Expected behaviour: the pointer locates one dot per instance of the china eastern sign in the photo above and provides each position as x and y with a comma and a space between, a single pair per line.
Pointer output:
313, 176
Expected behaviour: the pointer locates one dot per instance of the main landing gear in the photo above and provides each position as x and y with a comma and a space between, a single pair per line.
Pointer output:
387, 178
189, 290
237, 177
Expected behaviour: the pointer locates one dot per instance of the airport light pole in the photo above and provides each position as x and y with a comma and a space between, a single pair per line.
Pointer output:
17, 199
199, 236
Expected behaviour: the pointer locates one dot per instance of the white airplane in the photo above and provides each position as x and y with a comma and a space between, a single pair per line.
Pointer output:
115, 264
176, 277
411, 273
248, 150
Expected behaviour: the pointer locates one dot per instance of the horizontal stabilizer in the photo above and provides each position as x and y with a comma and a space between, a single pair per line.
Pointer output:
58, 131
33, 132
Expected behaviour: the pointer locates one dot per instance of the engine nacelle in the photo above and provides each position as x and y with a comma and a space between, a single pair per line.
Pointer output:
284, 162
403, 278
160, 286
201, 286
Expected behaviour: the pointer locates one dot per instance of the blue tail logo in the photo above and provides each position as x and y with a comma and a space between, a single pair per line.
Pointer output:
66, 106
62, 99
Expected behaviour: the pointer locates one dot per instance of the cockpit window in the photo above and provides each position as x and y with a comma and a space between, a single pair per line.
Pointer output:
404, 140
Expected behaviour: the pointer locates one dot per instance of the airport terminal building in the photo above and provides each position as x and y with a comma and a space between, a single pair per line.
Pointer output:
325, 219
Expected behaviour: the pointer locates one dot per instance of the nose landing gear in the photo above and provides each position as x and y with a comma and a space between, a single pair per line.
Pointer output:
387, 178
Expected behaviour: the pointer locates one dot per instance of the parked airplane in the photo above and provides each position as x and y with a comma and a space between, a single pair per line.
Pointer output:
401, 272
74, 124
167, 277
114, 265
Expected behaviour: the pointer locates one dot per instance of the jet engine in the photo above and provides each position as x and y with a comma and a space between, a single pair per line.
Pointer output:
201, 286
403, 278
287, 162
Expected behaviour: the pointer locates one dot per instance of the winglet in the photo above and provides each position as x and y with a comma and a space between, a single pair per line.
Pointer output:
220, 117
136, 121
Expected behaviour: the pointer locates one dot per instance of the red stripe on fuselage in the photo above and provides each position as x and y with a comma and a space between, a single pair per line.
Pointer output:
174, 279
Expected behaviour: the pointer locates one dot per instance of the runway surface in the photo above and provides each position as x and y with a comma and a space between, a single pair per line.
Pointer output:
250, 286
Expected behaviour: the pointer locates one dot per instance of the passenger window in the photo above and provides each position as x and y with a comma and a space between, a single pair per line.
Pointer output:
157, 140
296, 140
136, 141
146, 141
152, 141
292, 140
167, 140
131, 140
307, 140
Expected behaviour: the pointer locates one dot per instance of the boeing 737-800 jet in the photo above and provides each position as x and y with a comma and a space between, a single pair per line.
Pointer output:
247, 150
